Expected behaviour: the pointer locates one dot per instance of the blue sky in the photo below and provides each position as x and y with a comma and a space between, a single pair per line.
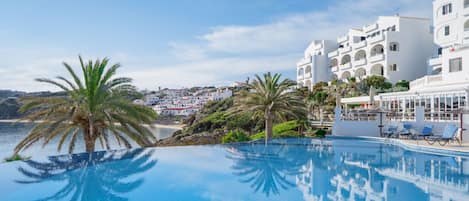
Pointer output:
176, 43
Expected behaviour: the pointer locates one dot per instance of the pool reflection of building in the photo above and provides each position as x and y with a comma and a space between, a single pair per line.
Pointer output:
389, 174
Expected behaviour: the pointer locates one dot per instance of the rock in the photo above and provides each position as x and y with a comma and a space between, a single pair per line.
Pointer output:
194, 139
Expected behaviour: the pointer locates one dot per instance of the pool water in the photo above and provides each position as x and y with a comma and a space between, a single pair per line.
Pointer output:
286, 170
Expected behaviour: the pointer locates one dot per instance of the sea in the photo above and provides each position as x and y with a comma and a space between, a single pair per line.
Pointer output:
12, 133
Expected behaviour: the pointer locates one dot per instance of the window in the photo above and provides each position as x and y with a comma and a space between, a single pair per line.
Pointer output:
440, 51
447, 9
394, 47
455, 65
393, 67
447, 31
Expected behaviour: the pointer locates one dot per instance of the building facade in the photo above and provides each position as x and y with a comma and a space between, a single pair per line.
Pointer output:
445, 89
314, 66
394, 47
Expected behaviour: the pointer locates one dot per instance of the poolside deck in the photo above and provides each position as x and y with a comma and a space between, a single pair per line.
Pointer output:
449, 147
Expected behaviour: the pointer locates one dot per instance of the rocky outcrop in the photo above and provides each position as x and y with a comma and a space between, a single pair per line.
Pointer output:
179, 139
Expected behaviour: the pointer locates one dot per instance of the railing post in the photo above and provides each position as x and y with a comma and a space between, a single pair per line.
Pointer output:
419, 115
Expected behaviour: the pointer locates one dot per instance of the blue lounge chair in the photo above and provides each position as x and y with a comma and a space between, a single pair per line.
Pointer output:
405, 131
390, 131
448, 135
426, 132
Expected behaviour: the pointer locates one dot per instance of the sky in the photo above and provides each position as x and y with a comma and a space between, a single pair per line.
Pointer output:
176, 43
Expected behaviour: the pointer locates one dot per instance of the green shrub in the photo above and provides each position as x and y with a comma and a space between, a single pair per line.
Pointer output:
235, 136
320, 133
280, 130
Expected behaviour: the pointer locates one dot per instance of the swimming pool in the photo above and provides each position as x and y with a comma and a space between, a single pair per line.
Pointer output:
286, 170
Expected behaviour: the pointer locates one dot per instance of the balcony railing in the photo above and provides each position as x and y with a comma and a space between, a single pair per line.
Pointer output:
346, 66
436, 61
317, 46
370, 27
425, 81
376, 39
334, 69
377, 57
307, 75
345, 49
342, 39
300, 77
359, 45
333, 54
304, 61
360, 62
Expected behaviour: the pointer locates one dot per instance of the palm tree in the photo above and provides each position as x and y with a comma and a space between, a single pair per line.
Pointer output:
91, 176
271, 99
95, 108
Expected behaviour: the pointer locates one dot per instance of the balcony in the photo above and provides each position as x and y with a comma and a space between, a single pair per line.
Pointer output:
436, 61
359, 45
466, 9
308, 75
346, 66
376, 39
304, 61
342, 39
345, 50
334, 69
425, 81
300, 77
360, 62
333, 54
370, 27
317, 46
377, 57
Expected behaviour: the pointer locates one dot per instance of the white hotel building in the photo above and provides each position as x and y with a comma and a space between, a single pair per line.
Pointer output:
437, 97
395, 47
314, 67
446, 86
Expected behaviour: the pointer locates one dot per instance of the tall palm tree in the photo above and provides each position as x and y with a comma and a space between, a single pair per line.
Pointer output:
270, 98
90, 176
94, 107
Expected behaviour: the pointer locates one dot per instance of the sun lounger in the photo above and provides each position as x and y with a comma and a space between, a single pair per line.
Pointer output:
427, 131
390, 131
448, 135
405, 131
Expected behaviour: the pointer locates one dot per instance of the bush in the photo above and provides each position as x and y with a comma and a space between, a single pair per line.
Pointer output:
235, 136
280, 130
320, 133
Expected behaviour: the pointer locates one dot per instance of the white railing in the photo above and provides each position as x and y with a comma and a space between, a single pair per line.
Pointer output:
317, 46
304, 61
308, 75
345, 49
359, 45
342, 39
425, 81
300, 77
466, 33
436, 61
333, 54
370, 27
346, 65
377, 57
360, 62
334, 68
376, 39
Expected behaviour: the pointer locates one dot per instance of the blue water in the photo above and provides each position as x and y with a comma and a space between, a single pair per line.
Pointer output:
12, 133
302, 169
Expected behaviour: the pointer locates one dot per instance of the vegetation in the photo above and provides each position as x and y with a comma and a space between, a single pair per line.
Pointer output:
270, 98
96, 108
235, 136
286, 129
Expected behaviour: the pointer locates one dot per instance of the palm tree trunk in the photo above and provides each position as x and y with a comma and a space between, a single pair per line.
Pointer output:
89, 142
268, 128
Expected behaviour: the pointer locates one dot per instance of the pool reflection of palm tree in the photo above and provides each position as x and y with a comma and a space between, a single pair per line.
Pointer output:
264, 167
94, 176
